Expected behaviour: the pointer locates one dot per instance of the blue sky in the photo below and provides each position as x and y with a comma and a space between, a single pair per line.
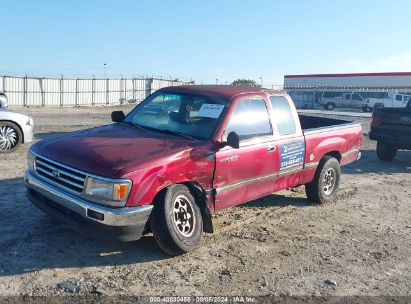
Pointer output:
205, 40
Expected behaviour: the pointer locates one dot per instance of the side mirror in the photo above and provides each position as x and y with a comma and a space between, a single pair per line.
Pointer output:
117, 116
233, 140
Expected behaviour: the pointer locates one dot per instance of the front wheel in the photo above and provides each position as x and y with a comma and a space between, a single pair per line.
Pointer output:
323, 189
10, 137
386, 151
176, 221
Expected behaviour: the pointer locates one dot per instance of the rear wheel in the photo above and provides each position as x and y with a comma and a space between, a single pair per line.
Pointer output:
386, 151
366, 109
10, 137
176, 221
323, 189
330, 106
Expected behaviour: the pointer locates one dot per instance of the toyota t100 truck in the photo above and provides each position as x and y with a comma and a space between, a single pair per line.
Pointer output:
183, 154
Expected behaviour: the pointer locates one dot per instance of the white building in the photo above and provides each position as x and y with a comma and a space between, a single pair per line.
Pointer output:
306, 89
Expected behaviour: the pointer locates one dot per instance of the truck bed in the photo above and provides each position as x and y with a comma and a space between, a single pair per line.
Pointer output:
313, 123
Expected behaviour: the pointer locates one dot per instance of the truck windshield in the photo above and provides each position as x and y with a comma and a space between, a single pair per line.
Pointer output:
190, 116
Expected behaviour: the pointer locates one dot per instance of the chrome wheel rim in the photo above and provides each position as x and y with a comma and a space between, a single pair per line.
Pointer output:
329, 181
184, 216
8, 138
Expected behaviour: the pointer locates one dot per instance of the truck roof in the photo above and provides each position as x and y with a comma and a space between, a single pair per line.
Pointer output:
222, 91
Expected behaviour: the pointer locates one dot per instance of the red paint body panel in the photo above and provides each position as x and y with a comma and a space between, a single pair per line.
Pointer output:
228, 176
342, 141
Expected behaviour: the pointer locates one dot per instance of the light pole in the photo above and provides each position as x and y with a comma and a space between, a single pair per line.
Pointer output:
216, 81
261, 81
105, 70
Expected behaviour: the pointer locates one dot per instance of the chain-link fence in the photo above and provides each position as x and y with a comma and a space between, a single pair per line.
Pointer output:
62, 92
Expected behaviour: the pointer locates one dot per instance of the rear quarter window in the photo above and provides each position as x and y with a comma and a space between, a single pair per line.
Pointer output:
283, 115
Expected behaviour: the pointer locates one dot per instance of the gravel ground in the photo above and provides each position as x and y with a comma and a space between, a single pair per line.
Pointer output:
278, 245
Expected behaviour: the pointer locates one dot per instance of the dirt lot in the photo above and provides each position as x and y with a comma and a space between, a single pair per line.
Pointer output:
279, 245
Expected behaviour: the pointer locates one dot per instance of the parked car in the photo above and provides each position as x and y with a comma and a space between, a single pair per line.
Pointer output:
392, 101
391, 128
15, 129
3, 101
182, 154
347, 100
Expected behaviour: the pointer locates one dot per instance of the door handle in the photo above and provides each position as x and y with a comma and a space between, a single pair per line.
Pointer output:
271, 148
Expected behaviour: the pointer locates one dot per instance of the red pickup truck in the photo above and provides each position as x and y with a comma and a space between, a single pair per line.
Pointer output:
183, 154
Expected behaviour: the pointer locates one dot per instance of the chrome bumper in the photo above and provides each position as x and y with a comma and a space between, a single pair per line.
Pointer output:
78, 212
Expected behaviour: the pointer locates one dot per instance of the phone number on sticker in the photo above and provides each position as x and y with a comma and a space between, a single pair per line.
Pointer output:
292, 162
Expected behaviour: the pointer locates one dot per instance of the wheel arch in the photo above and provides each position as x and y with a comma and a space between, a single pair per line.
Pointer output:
336, 154
201, 201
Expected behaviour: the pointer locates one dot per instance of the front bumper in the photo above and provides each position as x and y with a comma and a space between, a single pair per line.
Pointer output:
27, 133
123, 224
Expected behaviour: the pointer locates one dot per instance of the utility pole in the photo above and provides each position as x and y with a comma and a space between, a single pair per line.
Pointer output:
105, 70
216, 81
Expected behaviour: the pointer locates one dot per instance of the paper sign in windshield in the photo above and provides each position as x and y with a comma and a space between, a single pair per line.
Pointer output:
211, 110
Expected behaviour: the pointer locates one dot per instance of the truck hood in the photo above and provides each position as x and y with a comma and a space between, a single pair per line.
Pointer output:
113, 150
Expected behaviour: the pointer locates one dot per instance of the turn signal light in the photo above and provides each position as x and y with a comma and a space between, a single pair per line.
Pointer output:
120, 191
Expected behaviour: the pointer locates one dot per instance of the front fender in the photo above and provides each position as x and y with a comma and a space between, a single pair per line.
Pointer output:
196, 167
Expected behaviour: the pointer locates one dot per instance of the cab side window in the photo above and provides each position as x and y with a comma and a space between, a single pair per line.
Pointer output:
250, 119
283, 115
356, 97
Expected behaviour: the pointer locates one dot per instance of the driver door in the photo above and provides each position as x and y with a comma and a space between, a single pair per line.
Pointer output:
248, 172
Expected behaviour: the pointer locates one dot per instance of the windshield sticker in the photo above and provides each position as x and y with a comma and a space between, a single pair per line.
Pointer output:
210, 110
292, 154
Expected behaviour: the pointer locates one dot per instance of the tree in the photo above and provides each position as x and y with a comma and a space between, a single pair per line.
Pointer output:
244, 83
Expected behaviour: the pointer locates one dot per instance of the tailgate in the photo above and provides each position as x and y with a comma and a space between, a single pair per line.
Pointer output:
393, 119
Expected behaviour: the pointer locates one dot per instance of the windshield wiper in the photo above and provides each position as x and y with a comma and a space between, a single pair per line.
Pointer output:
178, 134
168, 131
137, 125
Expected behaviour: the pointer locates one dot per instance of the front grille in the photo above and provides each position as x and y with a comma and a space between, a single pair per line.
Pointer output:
60, 175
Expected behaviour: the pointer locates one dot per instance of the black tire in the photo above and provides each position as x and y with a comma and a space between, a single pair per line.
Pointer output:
386, 151
330, 106
10, 137
324, 187
174, 238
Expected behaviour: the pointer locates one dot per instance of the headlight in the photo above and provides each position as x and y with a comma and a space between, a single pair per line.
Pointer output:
31, 158
107, 191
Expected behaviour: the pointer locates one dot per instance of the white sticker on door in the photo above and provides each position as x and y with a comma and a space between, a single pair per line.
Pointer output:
292, 154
